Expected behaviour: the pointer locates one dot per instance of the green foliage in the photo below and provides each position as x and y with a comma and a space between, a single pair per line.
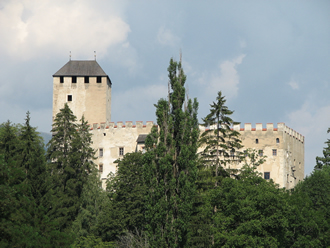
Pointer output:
310, 217
92, 241
219, 141
127, 191
70, 158
325, 160
93, 201
9, 140
170, 165
251, 212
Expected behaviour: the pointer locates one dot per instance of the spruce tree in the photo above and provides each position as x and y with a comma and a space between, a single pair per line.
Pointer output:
70, 158
219, 141
32, 159
170, 165
9, 141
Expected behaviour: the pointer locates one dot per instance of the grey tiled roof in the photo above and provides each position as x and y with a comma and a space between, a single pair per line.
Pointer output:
81, 68
141, 138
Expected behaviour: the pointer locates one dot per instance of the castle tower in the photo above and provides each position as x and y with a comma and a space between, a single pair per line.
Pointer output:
86, 88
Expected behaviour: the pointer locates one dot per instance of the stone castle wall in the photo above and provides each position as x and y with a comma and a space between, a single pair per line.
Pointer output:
282, 146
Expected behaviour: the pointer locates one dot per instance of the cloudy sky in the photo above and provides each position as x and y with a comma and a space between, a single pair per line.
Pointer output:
271, 59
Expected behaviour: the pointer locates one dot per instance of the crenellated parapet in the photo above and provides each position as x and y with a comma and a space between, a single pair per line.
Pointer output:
281, 127
248, 128
120, 124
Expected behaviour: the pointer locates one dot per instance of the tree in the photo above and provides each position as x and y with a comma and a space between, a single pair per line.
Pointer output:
251, 212
219, 141
70, 158
170, 165
325, 160
9, 140
127, 191
310, 216
93, 201
32, 160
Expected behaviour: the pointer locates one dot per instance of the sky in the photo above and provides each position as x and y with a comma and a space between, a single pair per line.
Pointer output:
271, 59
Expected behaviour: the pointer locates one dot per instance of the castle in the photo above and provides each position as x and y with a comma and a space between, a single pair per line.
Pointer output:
86, 88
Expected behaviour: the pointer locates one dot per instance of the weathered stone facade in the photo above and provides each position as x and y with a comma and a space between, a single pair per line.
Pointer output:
87, 90
283, 148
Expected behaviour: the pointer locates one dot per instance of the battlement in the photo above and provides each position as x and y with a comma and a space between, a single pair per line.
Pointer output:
120, 124
281, 127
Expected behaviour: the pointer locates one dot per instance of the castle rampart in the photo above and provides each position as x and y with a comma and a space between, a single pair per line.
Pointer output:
86, 88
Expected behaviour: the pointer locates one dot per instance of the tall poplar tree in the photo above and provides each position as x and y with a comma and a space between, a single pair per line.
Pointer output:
170, 164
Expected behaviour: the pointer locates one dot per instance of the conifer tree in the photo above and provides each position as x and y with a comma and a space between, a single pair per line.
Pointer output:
32, 160
70, 158
170, 165
9, 141
325, 160
219, 141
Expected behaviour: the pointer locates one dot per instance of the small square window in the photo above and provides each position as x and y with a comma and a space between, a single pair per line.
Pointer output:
101, 152
69, 98
101, 168
274, 152
121, 151
232, 153
261, 152
257, 141
99, 79
266, 175
74, 79
61, 79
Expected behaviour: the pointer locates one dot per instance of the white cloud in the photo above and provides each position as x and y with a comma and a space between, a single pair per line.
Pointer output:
312, 122
33, 28
294, 84
166, 37
226, 78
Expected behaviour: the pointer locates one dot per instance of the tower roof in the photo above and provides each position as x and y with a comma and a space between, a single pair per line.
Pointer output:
81, 68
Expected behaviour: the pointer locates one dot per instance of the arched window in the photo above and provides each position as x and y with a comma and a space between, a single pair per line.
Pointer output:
277, 140
257, 141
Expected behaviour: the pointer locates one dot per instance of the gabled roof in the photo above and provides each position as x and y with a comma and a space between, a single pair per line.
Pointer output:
81, 68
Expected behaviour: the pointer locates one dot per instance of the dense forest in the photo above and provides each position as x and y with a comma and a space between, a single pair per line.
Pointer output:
168, 196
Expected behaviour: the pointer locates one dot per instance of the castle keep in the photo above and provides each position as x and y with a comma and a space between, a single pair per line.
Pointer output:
86, 88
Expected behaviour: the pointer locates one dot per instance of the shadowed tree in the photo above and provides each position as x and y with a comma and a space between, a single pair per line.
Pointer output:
170, 166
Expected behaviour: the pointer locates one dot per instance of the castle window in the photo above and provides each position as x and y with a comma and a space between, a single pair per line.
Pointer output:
61, 79
277, 140
121, 151
232, 153
100, 168
274, 152
101, 152
86, 80
266, 175
257, 141
245, 153
69, 98
98, 79
74, 79
261, 152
